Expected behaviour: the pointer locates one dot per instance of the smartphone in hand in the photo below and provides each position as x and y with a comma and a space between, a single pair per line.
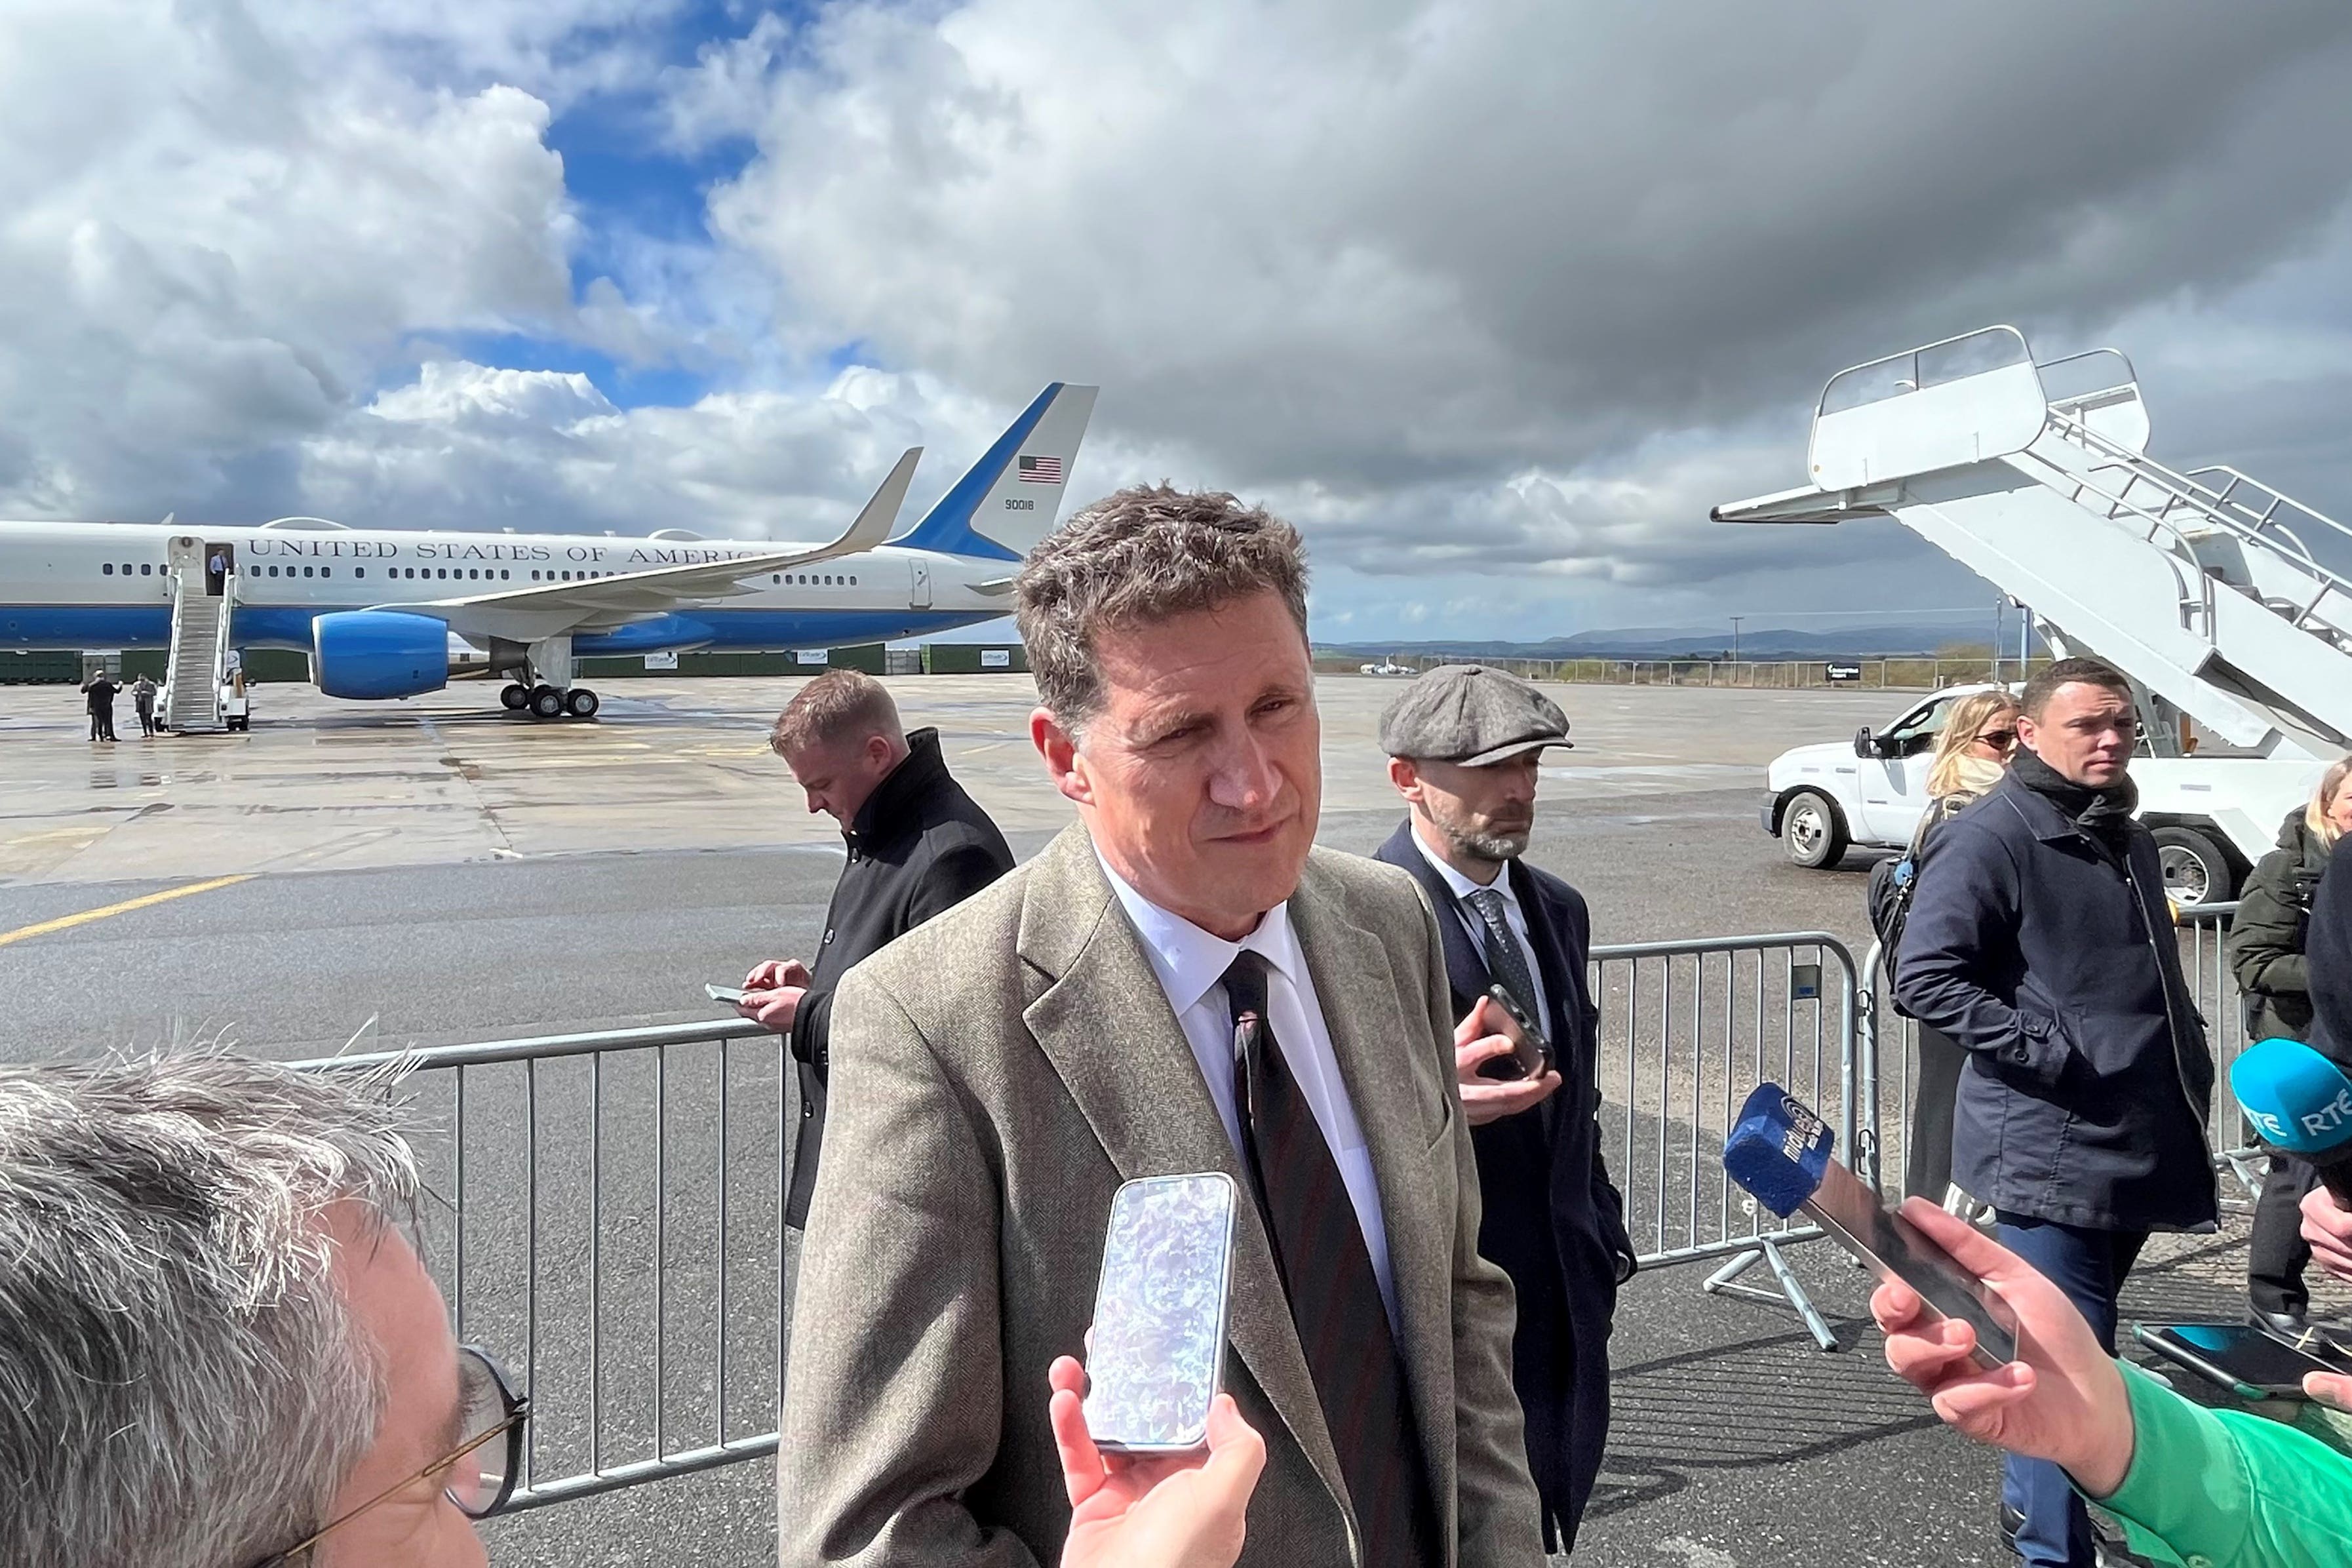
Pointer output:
1157, 1351
1532, 1056
730, 995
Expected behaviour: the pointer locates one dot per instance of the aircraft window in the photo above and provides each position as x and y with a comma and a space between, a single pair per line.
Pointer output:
107, 569
306, 571
146, 569
502, 573
326, 571
444, 570
359, 571
852, 582
779, 577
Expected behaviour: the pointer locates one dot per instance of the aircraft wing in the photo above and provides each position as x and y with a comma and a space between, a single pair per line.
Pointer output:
589, 604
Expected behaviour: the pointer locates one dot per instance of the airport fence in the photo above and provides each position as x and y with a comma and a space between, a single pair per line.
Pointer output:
613, 1231
1761, 675
612, 1227
1888, 1057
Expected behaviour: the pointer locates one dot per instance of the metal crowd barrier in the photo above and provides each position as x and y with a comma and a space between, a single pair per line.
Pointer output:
613, 1231
613, 1224
1889, 1056
1688, 1029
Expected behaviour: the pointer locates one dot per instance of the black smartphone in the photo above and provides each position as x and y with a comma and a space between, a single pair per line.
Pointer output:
1532, 1056
2249, 1360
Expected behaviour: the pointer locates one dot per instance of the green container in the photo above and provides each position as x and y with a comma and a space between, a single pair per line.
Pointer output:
868, 657
276, 664
974, 658
150, 662
41, 667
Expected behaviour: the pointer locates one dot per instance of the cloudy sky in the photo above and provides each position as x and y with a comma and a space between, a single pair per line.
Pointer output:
1494, 299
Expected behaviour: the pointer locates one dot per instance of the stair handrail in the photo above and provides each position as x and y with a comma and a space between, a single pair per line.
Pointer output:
2267, 518
2210, 506
2195, 588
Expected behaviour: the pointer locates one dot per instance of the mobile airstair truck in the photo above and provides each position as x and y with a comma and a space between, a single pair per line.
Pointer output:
2226, 602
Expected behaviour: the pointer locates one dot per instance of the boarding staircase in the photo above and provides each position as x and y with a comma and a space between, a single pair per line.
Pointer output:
2205, 586
190, 699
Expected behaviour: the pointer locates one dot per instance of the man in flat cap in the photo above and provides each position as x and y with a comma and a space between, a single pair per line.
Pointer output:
1463, 744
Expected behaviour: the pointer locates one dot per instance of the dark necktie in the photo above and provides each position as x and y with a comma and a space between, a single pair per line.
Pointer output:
1335, 1298
1507, 961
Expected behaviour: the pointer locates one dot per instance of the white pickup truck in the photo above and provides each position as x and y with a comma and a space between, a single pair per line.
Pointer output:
2213, 816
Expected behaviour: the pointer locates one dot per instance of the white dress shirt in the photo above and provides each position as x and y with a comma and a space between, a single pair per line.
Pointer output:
1191, 964
1513, 916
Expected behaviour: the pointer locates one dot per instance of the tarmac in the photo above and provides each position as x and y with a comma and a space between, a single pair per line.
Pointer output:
433, 870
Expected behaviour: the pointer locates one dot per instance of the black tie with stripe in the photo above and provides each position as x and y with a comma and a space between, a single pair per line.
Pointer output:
1327, 1274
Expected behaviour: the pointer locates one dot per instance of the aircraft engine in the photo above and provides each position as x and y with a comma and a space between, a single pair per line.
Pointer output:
376, 653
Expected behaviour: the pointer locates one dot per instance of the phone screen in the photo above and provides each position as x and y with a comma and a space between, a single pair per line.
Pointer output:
1158, 1347
2242, 1356
724, 993
1896, 1249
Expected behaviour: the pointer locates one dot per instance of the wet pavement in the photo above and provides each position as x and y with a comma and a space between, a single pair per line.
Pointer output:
427, 872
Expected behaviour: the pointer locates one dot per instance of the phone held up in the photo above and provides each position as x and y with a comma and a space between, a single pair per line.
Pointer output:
1157, 1351
724, 993
1531, 1058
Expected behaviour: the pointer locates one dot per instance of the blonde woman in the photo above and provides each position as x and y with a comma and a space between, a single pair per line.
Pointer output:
1971, 754
2266, 955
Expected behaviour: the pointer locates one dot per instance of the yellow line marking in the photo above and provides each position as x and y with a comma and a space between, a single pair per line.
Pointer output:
66, 922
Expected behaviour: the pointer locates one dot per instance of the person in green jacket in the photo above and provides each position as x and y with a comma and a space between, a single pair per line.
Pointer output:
2266, 955
2191, 1486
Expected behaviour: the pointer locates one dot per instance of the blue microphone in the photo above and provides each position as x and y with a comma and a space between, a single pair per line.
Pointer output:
2301, 1103
1783, 1153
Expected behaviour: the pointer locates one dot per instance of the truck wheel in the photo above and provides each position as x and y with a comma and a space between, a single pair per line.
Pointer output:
1814, 831
2195, 869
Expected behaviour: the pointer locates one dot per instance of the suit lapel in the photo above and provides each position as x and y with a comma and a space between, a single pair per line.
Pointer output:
1462, 956
1356, 985
1104, 1022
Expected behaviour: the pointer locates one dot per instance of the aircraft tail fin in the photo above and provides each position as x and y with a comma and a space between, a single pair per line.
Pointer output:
1011, 499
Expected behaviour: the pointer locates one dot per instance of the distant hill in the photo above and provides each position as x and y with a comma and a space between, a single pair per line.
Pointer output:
1690, 642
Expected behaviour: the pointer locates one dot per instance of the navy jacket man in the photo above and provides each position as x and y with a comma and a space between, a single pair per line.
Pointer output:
2040, 942
917, 844
1464, 742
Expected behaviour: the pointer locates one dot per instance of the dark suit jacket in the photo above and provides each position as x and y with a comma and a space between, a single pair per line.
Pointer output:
1553, 1219
918, 845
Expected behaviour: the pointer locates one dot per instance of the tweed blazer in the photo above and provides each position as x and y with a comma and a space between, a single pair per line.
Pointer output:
999, 1072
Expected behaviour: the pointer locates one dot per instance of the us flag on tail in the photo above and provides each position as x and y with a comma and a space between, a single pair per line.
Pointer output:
1042, 470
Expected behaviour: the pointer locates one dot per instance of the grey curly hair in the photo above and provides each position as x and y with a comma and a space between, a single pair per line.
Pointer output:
181, 1382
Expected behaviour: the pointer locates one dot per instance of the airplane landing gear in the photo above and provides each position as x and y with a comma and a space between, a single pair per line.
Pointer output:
515, 696
544, 702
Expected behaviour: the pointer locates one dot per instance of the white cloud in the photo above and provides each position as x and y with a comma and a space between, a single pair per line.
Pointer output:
1495, 299
212, 245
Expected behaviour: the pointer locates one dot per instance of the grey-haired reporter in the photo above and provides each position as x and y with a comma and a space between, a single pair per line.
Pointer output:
219, 1347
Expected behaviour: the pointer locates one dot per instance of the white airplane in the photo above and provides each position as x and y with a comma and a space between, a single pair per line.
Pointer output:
376, 608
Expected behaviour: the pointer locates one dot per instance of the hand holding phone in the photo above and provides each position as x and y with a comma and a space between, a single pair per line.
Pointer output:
1531, 1053
730, 995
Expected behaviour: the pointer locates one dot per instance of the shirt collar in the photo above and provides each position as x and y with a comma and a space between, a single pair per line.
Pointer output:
1190, 961
1461, 886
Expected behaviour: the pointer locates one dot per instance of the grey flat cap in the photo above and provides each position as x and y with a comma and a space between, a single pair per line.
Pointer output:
1469, 714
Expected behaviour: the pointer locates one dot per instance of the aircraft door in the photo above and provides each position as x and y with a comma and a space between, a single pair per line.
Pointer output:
919, 595
220, 559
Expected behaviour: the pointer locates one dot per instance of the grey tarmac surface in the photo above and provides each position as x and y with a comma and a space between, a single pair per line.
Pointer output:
450, 875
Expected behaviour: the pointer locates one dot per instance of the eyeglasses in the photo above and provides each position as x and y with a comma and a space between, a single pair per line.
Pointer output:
1999, 739
478, 1474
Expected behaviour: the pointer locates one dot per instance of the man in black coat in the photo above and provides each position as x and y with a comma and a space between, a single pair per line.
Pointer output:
1464, 742
2040, 942
918, 845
